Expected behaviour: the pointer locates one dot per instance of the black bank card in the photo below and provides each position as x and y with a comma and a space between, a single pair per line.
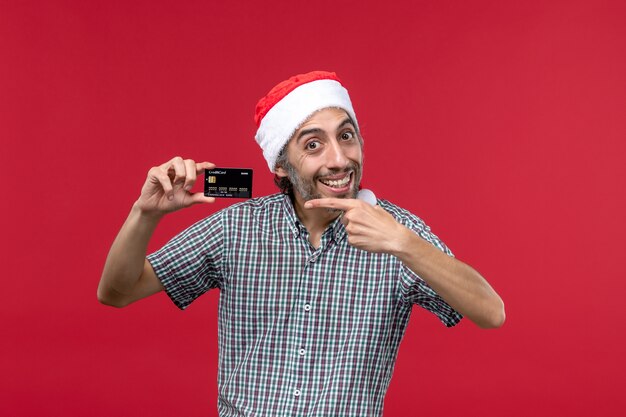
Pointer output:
228, 182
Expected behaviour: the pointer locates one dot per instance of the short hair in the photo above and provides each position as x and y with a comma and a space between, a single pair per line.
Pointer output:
283, 183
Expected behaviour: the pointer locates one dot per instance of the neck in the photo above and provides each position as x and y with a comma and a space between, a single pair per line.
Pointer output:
315, 220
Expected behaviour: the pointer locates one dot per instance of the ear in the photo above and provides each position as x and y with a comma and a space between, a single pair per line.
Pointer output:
280, 171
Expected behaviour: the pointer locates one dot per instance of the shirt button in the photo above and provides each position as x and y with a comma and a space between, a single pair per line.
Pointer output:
307, 307
297, 393
302, 352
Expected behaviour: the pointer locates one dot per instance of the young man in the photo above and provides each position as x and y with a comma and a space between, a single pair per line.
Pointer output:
316, 285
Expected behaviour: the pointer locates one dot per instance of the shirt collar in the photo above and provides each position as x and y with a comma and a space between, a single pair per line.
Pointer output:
292, 219
336, 228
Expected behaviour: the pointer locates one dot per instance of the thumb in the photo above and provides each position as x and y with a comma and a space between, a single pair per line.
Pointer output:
200, 198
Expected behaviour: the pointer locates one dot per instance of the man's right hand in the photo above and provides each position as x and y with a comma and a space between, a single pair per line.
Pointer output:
127, 275
168, 187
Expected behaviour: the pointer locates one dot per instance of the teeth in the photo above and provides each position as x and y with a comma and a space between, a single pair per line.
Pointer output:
338, 183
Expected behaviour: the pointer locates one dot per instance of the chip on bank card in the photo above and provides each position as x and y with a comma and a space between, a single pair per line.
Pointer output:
228, 182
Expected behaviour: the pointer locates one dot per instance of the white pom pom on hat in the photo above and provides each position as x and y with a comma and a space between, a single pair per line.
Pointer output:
289, 104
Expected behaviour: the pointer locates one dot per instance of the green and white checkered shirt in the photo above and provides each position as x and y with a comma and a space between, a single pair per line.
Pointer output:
302, 331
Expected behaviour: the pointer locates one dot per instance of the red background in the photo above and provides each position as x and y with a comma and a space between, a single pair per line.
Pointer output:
501, 124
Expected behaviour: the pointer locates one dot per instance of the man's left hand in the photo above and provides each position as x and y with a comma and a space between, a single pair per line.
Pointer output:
369, 228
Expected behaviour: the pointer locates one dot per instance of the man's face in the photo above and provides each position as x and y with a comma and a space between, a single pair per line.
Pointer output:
324, 157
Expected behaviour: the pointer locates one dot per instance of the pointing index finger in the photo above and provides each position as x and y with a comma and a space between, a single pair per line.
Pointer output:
336, 203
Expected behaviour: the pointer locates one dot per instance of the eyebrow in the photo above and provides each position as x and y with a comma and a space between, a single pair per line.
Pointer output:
346, 121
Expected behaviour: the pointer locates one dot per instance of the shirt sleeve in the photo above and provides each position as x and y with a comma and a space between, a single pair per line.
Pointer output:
191, 263
414, 289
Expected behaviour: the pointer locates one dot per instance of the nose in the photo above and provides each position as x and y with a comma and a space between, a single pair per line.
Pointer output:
335, 156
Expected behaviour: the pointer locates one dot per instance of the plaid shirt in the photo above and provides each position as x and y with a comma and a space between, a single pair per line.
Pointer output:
302, 331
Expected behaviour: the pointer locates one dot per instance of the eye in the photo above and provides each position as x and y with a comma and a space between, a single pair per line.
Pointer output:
347, 135
312, 145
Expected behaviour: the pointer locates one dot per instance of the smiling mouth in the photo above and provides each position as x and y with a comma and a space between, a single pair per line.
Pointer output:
339, 183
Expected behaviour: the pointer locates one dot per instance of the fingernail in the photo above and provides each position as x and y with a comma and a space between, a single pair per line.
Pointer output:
170, 197
187, 188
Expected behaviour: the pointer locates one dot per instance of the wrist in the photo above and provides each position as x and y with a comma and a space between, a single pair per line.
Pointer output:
410, 247
403, 242
145, 215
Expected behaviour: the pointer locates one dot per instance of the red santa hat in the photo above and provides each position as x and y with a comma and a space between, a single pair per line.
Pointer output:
288, 105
